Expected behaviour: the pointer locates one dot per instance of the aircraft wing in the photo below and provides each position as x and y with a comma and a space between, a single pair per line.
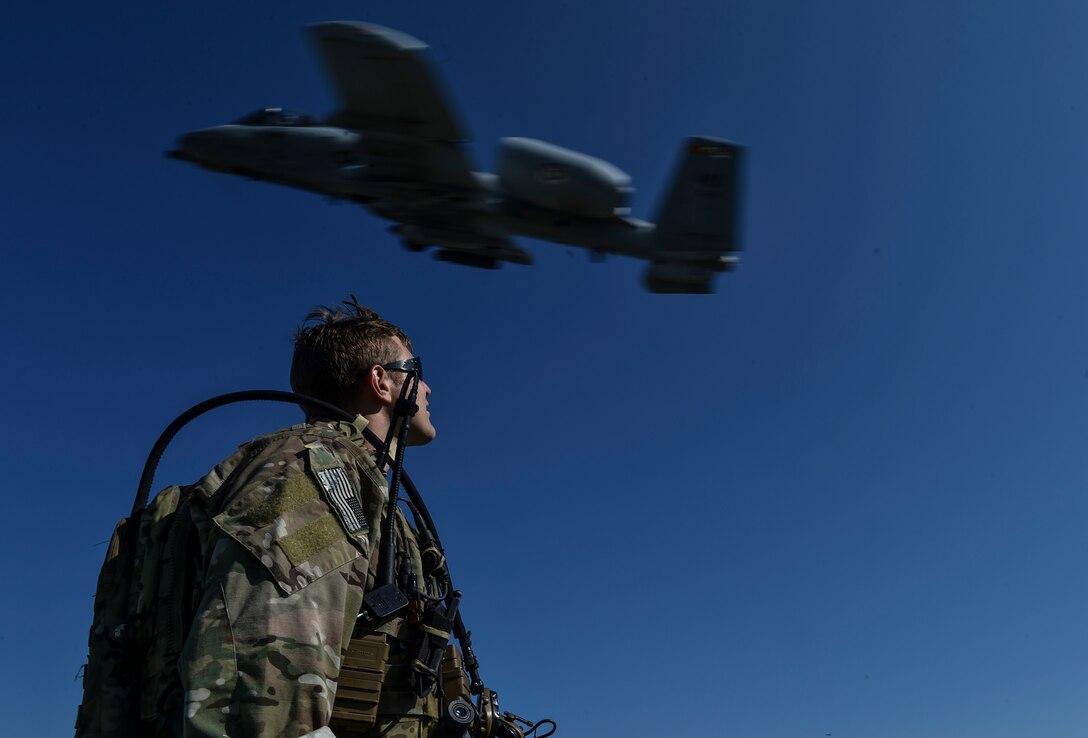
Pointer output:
391, 94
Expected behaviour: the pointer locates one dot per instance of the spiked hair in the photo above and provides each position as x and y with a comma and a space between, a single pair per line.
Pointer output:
335, 348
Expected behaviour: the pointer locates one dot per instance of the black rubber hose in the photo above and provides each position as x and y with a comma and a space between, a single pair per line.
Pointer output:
196, 411
387, 557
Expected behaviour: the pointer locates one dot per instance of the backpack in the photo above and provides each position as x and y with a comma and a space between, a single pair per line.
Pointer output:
148, 591
139, 627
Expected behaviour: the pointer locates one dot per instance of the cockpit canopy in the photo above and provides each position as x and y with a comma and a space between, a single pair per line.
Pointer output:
276, 117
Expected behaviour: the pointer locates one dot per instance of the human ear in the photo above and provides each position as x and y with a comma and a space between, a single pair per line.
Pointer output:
379, 384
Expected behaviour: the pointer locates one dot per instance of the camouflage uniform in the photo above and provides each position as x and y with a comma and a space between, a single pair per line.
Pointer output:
289, 531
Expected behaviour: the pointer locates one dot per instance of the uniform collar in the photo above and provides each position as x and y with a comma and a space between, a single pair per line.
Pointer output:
353, 430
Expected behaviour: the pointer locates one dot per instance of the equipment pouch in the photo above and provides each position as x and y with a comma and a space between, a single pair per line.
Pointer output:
360, 682
454, 679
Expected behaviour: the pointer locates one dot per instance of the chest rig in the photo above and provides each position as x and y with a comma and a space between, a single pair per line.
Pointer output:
385, 671
392, 662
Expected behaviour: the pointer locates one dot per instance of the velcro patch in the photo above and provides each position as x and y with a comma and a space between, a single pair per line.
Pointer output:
305, 542
343, 498
295, 492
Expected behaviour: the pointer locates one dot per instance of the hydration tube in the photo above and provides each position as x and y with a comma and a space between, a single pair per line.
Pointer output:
148, 476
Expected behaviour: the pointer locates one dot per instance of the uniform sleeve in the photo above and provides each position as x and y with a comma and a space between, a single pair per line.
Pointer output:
283, 585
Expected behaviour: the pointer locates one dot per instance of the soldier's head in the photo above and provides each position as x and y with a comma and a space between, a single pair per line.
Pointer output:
343, 355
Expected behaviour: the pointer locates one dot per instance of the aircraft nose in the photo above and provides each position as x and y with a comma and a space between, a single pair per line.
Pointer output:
188, 145
193, 146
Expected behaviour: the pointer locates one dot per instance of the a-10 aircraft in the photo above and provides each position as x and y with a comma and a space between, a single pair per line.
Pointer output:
397, 147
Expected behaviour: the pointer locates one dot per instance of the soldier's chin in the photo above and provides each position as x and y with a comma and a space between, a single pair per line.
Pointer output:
421, 435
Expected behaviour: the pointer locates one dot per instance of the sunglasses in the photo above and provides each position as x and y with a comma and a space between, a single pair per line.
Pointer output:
413, 365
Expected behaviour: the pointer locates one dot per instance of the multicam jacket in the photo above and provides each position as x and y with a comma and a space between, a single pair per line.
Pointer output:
289, 533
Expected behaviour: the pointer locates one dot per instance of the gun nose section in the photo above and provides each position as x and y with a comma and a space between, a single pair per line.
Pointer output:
184, 148
195, 146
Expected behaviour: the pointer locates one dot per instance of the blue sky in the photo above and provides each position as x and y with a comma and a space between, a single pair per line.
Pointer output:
842, 495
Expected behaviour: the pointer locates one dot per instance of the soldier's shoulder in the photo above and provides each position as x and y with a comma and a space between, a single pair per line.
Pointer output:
338, 434
251, 464
292, 443
285, 454
292, 505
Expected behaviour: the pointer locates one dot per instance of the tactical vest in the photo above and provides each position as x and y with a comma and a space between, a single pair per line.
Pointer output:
374, 684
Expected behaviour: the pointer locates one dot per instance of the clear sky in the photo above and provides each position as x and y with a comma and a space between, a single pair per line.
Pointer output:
844, 495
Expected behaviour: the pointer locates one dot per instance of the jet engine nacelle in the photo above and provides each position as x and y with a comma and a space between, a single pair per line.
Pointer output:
560, 179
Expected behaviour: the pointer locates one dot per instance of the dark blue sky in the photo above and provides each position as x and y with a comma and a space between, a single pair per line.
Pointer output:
843, 495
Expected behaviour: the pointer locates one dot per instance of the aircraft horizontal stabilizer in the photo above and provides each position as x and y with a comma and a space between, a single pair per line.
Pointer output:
686, 278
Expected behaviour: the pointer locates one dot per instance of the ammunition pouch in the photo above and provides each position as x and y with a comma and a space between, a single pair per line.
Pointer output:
454, 679
458, 714
362, 675
374, 685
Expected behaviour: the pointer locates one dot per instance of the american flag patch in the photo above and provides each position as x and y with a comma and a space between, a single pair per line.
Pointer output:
343, 498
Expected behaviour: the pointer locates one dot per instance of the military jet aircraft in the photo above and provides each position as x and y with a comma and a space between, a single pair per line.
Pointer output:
397, 147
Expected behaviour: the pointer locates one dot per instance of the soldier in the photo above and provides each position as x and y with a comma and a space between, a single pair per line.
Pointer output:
289, 530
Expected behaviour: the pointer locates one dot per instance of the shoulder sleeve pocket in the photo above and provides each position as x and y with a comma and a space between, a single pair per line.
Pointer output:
290, 526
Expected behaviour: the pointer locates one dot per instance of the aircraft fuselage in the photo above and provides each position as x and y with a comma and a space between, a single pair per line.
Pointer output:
327, 160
